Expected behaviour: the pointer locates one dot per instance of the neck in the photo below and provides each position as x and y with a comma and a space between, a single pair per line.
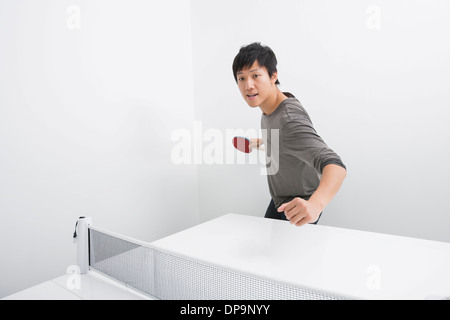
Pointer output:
271, 104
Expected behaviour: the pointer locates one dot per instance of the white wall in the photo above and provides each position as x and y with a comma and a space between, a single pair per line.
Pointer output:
374, 77
87, 116
88, 103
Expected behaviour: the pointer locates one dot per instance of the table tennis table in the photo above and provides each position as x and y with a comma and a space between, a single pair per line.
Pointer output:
247, 257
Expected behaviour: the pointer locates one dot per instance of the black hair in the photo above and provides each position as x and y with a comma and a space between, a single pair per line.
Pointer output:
255, 52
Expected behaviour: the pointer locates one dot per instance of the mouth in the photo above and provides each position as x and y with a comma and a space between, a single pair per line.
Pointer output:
252, 96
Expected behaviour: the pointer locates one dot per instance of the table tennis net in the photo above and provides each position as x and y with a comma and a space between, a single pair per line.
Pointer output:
168, 276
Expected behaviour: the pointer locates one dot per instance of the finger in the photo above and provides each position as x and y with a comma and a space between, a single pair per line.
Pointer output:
260, 142
302, 222
282, 207
286, 207
294, 214
302, 219
296, 218
294, 207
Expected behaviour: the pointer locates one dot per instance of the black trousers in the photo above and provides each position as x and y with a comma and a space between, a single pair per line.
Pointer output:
272, 213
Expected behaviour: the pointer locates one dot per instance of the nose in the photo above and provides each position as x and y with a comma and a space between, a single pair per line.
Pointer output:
249, 84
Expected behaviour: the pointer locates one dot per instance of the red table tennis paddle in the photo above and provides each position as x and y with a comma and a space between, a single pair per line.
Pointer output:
242, 144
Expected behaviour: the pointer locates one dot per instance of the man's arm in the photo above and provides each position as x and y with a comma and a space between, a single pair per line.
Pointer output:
301, 212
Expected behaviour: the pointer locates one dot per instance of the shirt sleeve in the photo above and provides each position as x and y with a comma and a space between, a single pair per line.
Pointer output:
301, 140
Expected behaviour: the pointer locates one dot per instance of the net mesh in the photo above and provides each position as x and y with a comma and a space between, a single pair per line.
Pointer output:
170, 277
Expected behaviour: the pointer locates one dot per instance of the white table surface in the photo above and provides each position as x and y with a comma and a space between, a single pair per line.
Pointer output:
357, 264
91, 286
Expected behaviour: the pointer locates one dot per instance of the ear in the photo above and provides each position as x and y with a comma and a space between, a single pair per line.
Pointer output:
274, 77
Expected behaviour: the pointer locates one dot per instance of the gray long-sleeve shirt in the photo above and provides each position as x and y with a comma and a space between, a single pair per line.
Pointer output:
296, 154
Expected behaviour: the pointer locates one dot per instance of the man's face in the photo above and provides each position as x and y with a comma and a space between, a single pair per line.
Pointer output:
256, 85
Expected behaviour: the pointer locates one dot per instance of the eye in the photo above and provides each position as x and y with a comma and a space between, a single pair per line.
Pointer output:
255, 76
240, 79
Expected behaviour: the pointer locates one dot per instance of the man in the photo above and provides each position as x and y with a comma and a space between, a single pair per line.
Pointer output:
309, 173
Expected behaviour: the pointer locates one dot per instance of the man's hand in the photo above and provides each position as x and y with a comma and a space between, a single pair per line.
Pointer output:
300, 211
257, 144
